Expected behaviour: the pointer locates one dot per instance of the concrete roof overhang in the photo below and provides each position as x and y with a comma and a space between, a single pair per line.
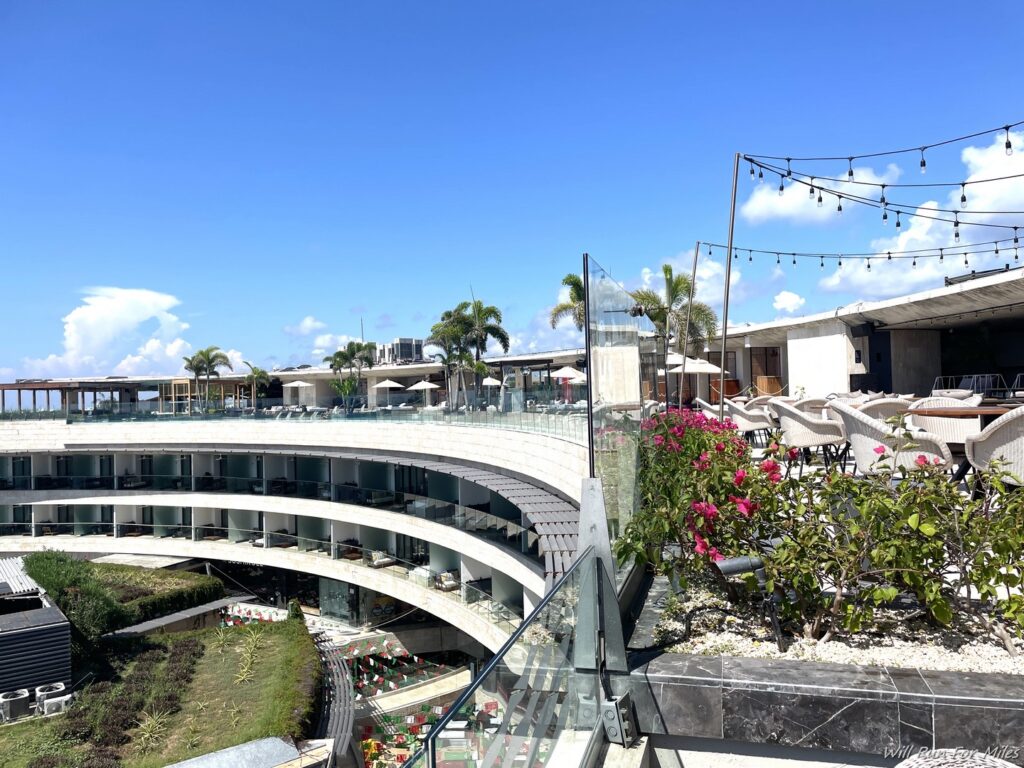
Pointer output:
999, 296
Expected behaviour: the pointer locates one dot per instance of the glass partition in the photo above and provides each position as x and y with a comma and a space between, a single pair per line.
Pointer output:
536, 702
622, 346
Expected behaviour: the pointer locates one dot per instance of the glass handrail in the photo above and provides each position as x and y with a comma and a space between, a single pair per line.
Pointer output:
537, 699
498, 530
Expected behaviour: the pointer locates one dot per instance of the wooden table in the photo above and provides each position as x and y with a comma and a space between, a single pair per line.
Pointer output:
989, 412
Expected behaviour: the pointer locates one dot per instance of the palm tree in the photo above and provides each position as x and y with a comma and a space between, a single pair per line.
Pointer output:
353, 357
257, 379
451, 335
210, 359
194, 365
575, 307
484, 323
668, 311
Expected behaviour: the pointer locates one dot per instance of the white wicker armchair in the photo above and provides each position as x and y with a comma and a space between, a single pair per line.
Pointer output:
803, 430
950, 430
885, 408
1003, 439
709, 410
747, 419
866, 434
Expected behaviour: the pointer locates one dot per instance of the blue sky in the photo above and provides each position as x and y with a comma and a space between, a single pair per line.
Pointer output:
260, 176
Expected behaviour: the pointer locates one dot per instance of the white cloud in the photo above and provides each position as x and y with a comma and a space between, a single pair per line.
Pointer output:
328, 343
787, 301
899, 276
711, 283
305, 326
100, 333
795, 204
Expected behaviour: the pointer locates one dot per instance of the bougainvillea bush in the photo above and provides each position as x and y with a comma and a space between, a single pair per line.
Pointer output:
835, 546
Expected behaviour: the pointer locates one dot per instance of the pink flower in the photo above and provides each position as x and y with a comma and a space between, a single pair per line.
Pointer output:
745, 507
921, 460
659, 440
739, 477
705, 508
715, 555
879, 449
700, 546
792, 454
773, 448
769, 466
936, 461
719, 447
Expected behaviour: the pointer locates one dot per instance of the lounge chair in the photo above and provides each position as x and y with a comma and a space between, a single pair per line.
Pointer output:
866, 434
884, 408
1001, 440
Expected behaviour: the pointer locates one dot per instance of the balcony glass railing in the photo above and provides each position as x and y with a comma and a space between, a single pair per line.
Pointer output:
507, 618
566, 420
496, 530
537, 701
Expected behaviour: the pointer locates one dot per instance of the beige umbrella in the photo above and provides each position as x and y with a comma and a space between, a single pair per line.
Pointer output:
490, 381
566, 372
425, 387
388, 384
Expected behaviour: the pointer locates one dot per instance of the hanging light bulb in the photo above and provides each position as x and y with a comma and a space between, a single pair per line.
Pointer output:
1008, 145
782, 189
810, 190
897, 221
869, 265
839, 207
890, 256
794, 259
760, 175
709, 251
778, 259
789, 171
1015, 243
997, 248
882, 199
736, 254
1015, 255
840, 264
885, 215
849, 173
750, 256
914, 264
924, 163
963, 195
966, 264
956, 227
942, 255
819, 198
752, 175
822, 265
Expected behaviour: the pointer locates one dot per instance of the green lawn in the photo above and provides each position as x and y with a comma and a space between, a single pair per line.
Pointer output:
216, 712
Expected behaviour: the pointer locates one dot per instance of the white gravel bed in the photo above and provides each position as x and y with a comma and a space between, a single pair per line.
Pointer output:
891, 642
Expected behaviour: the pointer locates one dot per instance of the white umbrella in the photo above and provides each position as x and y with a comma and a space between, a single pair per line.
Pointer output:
566, 372
296, 384
697, 366
673, 358
490, 381
389, 385
424, 386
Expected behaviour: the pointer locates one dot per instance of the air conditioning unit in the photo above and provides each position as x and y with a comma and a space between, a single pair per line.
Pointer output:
57, 704
44, 692
14, 704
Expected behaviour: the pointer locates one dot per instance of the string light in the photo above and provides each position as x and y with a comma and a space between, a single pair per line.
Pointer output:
924, 163
890, 256
752, 171
782, 189
869, 265
760, 175
914, 265
956, 229
849, 173
885, 216
822, 265
897, 221
839, 208
778, 259
1008, 145
750, 256
810, 190
819, 198
977, 248
1015, 242
882, 199
963, 195
840, 265
966, 263
942, 255
794, 259
789, 170
997, 248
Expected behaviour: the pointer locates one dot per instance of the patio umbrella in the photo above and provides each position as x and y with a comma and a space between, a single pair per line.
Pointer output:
425, 387
388, 384
490, 381
673, 358
696, 365
566, 372
296, 384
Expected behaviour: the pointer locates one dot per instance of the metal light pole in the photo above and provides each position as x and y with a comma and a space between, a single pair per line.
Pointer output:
728, 276
684, 332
